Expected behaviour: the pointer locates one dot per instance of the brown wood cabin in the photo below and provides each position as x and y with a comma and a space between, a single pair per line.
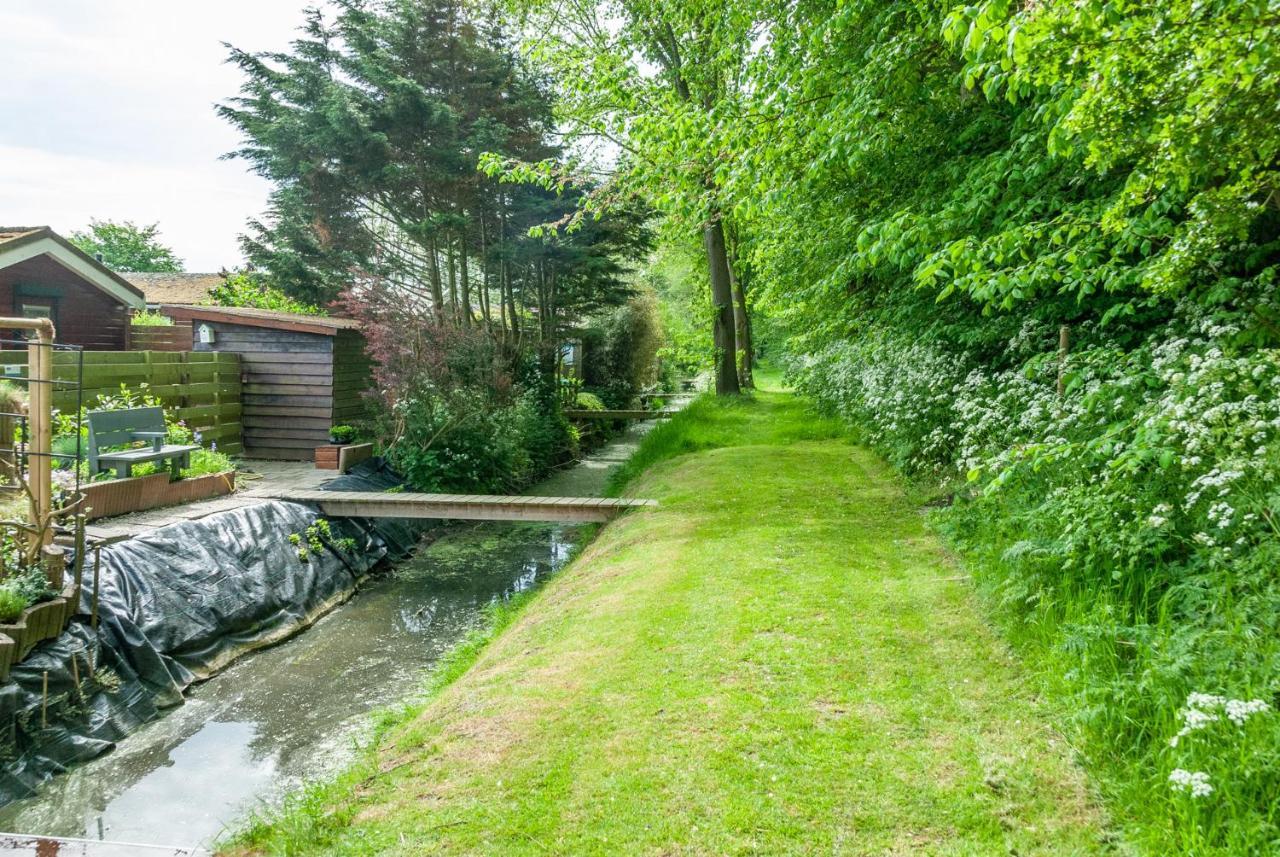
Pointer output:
42, 275
301, 374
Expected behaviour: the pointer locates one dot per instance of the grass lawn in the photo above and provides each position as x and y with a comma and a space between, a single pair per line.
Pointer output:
780, 659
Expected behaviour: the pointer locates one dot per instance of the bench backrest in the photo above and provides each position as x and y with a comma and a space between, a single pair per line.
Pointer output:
116, 428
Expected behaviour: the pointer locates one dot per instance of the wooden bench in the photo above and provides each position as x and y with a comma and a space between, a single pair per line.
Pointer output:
111, 429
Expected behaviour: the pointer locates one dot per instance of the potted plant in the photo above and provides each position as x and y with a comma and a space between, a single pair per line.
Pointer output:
339, 435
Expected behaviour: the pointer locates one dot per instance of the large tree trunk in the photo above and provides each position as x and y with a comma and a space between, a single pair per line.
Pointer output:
741, 315
741, 329
722, 298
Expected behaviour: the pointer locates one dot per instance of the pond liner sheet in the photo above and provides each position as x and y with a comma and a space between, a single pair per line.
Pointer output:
176, 606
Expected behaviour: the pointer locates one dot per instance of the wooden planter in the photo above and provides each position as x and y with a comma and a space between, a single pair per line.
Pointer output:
121, 496
37, 623
340, 456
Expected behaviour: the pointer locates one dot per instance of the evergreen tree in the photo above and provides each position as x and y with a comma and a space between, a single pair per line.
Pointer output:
371, 127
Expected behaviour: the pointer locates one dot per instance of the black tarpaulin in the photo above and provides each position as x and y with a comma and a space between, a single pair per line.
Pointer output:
176, 606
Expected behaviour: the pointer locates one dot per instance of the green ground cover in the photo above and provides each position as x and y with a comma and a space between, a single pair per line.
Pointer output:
779, 659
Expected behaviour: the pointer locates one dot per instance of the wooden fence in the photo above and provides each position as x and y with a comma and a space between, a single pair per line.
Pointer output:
160, 337
200, 388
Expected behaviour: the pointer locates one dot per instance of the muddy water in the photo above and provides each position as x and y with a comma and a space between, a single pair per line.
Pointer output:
296, 712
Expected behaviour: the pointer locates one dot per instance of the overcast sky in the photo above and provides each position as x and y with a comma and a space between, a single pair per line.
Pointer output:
106, 111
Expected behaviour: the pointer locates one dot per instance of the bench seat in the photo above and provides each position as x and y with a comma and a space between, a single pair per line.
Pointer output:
128, 426
179, 456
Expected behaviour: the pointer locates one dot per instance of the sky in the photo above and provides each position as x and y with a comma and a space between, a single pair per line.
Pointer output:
106, 111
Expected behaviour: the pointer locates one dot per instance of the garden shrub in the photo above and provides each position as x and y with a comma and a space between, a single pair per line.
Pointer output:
11, 604
150, 318
247, 289
22, 585
620, 351
466, 441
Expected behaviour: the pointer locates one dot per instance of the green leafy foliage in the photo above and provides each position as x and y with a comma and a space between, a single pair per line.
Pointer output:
342, 434
125, 246
925, 195
21, 584
319, 537
150, 318
620, 351
244, 289
470, 440
11, 604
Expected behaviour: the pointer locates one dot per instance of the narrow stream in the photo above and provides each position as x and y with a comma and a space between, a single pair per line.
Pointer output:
284, 715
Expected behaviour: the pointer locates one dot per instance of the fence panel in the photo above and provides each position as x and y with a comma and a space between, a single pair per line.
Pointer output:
160, 337
203, 388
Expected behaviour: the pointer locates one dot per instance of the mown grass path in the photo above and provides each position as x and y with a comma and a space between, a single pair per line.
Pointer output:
779, 660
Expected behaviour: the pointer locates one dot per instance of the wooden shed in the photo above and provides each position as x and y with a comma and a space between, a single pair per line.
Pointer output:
301, 374
44, 275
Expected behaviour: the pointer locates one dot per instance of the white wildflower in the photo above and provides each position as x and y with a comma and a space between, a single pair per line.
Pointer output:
1239, 710
1195, 782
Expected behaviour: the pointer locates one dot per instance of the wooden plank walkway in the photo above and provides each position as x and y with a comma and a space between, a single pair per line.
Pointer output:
618, 415
467, 507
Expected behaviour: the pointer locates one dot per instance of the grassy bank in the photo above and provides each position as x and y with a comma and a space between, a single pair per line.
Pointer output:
779, 659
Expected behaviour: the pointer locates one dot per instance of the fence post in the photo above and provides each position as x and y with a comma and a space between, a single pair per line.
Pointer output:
40, 417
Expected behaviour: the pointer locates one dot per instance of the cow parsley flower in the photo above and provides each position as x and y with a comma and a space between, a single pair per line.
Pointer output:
1194, 782
1239, 710
1203, 709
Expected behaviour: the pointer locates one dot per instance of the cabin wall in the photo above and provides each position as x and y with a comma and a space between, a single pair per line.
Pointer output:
352, 377
287, 387
83, 315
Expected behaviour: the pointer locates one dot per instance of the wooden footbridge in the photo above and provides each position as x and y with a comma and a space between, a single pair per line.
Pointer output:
618, 415
466, 507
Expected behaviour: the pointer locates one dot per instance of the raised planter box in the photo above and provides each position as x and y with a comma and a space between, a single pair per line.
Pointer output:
121, 496
37, 623
338, 456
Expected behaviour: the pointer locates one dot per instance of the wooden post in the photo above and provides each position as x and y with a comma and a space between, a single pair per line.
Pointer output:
97, 569
80, 547
42, 425
54, 561
40, 415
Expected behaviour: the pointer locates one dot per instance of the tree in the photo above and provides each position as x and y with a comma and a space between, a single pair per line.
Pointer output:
249, 289
371, 128
125, 246
656, 79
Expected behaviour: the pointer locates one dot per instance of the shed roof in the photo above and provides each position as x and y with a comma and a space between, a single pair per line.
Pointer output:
175, 288
320, 324
20, 243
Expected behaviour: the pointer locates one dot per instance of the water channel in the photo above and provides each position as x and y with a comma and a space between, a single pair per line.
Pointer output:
285, 715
